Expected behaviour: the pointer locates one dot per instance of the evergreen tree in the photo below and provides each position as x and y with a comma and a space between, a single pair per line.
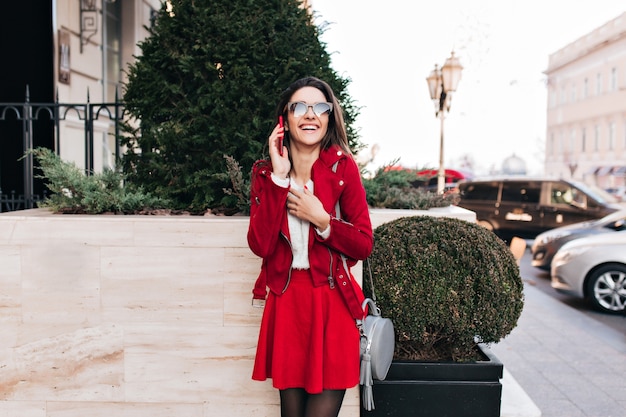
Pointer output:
205, 87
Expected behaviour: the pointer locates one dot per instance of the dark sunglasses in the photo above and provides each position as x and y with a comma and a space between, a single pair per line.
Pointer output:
299, 108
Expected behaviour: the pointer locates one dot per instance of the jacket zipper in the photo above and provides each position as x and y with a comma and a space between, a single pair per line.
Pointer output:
331, 280
290, 267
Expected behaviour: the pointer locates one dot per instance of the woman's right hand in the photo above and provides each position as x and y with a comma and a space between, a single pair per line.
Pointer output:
280, 164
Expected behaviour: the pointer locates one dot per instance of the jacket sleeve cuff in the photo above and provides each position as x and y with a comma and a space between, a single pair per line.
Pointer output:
282, 182
323, 233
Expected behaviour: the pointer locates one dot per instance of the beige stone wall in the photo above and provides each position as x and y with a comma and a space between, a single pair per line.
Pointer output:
133, 316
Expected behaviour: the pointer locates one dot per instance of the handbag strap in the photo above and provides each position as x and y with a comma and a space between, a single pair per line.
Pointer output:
343, 257
369, 271
373, 308
372, 301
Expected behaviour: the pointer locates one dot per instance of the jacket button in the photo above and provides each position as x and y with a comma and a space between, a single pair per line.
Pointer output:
338, 153
340, 276
341, 182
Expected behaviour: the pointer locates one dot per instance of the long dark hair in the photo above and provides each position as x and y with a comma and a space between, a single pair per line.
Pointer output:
336, 134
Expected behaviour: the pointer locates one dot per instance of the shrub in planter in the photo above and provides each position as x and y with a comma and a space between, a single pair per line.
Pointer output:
73, 192
396, 189
447, 284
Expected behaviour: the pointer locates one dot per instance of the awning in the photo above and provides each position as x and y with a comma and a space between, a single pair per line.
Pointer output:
619, 170
602, 171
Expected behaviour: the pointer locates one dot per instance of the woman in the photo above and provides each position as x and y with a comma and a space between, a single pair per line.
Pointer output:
308, 340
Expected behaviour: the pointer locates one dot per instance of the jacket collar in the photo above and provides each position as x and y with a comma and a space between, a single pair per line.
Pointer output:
331, 155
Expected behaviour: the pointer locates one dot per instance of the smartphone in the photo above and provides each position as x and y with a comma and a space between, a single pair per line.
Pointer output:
280, 142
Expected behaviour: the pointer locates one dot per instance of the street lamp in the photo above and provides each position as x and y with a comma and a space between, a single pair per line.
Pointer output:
442, 82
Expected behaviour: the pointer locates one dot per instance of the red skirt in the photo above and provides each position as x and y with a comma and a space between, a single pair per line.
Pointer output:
308, 339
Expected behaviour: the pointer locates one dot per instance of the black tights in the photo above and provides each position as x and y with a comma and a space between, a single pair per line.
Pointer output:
296, 402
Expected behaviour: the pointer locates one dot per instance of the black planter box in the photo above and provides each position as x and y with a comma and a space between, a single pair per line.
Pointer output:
440, 389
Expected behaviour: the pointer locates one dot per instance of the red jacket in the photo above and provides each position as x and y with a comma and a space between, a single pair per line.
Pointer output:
268, 232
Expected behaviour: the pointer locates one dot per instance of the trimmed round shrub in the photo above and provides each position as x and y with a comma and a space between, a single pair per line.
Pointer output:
447, 284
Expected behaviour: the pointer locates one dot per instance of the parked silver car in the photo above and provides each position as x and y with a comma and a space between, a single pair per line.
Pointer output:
594, 268
546, 244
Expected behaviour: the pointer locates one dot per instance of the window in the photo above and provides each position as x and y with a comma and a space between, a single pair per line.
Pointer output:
598, 84
521, 192
482, 191
596, 138
573, 94
111, 72
586, 88
583, 139
572, 141
564, 194
611, 136
613, 79
112, 33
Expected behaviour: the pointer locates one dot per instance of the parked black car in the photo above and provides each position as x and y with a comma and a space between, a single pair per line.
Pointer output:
526, 206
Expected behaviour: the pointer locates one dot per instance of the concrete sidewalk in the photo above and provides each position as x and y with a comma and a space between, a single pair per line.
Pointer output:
560, 363
515, 402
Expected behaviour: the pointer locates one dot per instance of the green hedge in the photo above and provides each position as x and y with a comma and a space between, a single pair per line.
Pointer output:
446, 284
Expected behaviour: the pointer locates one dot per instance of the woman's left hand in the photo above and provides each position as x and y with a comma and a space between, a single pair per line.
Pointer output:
306, 206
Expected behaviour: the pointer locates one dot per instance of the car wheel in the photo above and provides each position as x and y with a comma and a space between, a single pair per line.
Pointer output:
606, 288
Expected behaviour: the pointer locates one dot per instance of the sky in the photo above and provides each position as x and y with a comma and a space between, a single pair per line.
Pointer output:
387, 49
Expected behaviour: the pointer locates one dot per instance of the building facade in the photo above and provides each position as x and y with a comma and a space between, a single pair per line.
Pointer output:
94, 41
586, 114
60, 56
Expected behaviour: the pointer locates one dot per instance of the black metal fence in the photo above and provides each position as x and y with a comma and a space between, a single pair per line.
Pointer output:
55, 113
14, 202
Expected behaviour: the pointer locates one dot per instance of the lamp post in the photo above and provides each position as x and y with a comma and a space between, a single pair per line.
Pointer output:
442, 82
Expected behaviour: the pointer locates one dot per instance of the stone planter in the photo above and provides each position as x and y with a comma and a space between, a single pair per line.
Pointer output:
440, 389
134, 316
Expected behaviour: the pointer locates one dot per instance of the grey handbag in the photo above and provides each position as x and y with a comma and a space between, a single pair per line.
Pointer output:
377, 347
